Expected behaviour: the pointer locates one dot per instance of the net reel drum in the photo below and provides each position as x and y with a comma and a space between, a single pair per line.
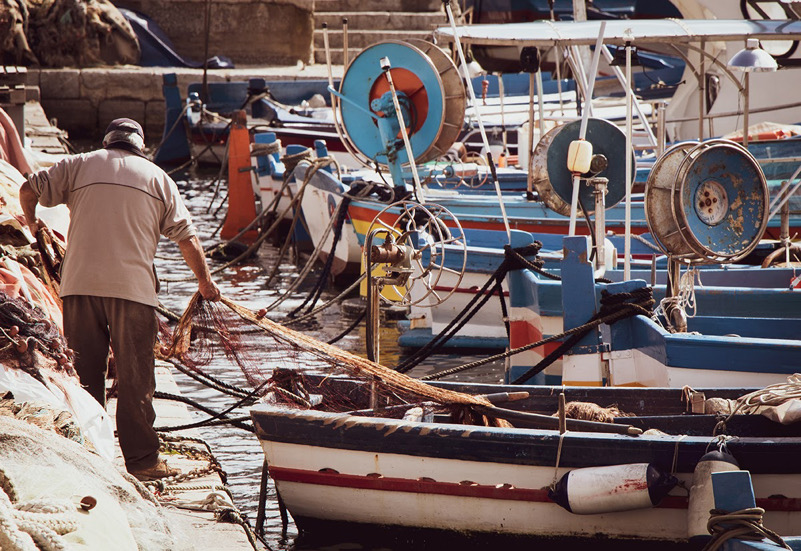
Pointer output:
419, 244
556, 161
403, 103
705, 203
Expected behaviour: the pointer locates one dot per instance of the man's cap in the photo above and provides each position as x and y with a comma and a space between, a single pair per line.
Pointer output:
126, 125
125, 134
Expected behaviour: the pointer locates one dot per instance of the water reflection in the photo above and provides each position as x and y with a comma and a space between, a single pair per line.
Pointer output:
238, 451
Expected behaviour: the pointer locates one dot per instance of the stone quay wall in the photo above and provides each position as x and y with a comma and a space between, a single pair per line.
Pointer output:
263, 32
84, 101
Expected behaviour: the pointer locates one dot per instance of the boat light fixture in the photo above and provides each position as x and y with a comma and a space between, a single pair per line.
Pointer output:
753, 58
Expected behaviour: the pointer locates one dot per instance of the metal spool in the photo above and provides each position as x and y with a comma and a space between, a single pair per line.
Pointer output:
707, 203
427, 76
554, 182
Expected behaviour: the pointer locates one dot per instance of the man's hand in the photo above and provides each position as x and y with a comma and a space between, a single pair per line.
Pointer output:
209, 291
28, 201
35, 226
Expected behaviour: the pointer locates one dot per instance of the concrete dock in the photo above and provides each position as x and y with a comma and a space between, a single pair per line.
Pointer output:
190, 504
197, 524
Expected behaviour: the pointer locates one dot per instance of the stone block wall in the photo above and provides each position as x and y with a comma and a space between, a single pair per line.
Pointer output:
84, 101
256, 32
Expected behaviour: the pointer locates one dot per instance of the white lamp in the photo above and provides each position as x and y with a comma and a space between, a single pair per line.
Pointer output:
752, 58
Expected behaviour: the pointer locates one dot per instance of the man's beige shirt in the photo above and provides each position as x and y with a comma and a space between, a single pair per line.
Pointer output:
119, 206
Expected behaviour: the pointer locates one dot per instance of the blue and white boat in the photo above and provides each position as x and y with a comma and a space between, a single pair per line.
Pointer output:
345, 466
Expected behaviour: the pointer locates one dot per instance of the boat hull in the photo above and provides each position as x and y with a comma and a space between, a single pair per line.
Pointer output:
467, 479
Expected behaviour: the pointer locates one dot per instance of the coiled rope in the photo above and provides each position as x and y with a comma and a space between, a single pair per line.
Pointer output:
33, 525
745, 524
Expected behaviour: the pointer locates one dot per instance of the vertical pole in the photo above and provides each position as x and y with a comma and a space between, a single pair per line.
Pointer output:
345, 56
701, 93
661, 134
627, 242
745, 109
472, 94
530, 152
584, 120
540, 105
418, 189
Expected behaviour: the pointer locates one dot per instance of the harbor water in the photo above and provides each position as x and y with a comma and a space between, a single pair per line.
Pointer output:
239, 451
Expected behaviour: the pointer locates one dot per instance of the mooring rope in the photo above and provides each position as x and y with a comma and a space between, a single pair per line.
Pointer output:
616, 310
745, 524
510, 262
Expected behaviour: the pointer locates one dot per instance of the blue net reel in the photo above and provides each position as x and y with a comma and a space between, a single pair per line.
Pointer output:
707, 203
554, 182
431, 94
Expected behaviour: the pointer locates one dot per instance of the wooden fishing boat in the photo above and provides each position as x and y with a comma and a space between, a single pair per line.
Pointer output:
357, 465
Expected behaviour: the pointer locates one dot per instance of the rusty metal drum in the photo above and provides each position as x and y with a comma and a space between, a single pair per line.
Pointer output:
707, 203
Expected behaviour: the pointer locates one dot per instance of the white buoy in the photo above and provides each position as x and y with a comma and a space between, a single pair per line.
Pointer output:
579, 156
595, 490
702, 498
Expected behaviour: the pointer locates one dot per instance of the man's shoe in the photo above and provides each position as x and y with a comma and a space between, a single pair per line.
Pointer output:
159, 470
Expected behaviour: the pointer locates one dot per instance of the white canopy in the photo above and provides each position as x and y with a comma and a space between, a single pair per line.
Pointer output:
637, 31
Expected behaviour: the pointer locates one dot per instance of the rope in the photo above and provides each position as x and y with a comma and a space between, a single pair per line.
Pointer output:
208, 380
354, 363
293, 160
614, 307
33, 525
341, 296
684, 299
250, 398
264, 149
350, 328
510, 262
314, 294
745, 524
216, 418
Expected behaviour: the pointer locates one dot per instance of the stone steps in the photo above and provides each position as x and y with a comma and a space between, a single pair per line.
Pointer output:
357, 42
371, 21
359, 21
377, 5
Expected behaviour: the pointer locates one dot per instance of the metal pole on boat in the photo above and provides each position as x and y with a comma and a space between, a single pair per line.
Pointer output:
701, 93
418, 189
531, 63
584, 119
530, 146
635, 103
472, 93
661, 134
627, 239
558, 59
541, 104
207, 30
503, 117
745, 109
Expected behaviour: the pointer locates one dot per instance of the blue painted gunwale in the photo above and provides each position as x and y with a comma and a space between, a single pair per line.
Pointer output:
534, 447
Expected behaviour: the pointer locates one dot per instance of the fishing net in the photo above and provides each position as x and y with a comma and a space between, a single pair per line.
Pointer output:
30, 340
287, 356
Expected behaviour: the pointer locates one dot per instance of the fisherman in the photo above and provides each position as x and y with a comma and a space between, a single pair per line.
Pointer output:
120, 203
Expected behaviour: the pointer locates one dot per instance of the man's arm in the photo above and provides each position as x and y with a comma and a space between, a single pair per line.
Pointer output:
196, 260
28, 201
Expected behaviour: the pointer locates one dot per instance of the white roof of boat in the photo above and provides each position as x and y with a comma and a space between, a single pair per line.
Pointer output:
636, 31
